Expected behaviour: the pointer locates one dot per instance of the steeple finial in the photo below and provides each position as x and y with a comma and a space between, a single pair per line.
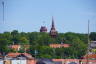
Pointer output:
52, 22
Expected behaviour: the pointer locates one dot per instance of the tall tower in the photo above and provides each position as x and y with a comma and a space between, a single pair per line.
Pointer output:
53, 32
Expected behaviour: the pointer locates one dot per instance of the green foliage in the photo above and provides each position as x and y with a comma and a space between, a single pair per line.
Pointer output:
3, 45
23, 40
93, 36
40, 42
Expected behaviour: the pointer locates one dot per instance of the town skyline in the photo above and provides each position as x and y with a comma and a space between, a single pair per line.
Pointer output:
28, 15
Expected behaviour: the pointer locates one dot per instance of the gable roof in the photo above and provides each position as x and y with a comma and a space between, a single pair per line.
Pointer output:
14, 55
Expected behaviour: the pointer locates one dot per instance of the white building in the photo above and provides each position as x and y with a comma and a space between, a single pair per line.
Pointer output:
19, 61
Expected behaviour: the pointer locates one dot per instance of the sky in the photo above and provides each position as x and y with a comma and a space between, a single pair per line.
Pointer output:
30, 15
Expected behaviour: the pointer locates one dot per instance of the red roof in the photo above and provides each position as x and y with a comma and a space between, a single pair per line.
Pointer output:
59, 45
73, 60
90, 56
28, 55
85, 60
70, 60
12, 55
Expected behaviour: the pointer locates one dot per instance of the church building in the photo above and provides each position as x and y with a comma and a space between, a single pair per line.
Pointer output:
43, 29
53, 32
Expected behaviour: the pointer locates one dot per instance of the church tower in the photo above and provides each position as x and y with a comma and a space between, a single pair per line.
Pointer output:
43, 29
53, 32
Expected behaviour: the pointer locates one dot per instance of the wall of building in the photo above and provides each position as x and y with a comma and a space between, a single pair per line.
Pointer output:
7, 61
32, 61
1, 61
19, 61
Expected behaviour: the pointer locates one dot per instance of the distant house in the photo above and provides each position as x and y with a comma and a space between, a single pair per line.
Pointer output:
19, 47
92, 47
15, 61
66, 61
7, 61
15, 47
90, 56
19, 58
85, 61
59, 45
31, 61
11, 55
92, 44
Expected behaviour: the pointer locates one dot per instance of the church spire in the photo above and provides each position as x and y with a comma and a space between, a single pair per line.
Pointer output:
53, 25
52, 22
53, 32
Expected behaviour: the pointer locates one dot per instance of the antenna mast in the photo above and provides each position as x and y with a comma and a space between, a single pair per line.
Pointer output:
88, 40
88, 32
3, 10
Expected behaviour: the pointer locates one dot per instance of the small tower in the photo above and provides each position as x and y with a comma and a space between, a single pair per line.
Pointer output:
53, 32
43, 29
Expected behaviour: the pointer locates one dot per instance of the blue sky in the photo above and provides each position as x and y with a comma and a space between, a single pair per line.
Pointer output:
28, 15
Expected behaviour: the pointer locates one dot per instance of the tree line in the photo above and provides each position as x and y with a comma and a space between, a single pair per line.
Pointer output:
39, 43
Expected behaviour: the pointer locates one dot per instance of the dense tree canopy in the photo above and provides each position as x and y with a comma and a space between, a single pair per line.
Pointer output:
93, 36
40, 42
3, 45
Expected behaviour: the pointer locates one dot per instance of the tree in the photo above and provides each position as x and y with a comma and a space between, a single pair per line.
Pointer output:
6, 35
40, 42
3, 45
23, 40
33, 36
93, 36
15, 36
14, 32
